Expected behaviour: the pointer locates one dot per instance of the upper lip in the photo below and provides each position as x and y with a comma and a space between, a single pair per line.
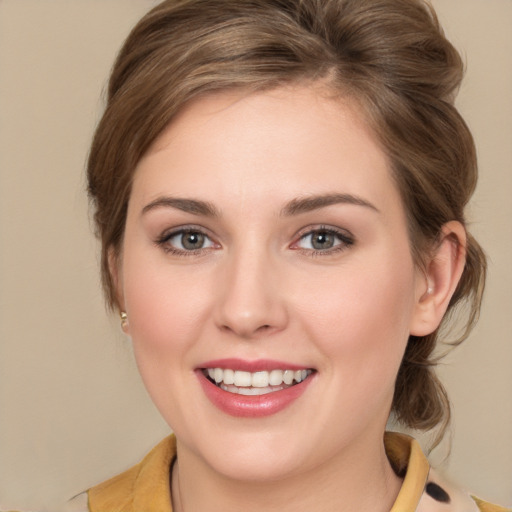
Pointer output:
258, 365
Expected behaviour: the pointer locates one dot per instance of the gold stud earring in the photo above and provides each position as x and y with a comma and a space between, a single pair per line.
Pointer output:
124, 319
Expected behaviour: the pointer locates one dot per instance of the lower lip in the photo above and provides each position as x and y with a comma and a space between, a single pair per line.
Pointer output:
257, 406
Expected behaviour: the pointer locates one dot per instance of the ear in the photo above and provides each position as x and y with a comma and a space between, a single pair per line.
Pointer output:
440, 279
114, 264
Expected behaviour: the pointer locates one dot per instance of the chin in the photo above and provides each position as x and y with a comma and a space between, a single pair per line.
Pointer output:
251, 456
258, 469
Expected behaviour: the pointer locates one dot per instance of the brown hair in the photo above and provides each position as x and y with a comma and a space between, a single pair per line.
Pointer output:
389, 55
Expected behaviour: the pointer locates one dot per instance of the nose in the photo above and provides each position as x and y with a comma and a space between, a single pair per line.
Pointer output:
251, 296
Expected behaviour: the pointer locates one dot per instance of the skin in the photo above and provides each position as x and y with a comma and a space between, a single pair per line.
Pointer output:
257, 290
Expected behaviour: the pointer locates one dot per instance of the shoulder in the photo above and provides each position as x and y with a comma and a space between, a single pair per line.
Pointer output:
423, 488
79, 503
483, 506
145, 483
441, 495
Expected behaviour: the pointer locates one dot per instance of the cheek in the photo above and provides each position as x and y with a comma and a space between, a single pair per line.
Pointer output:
361, 317
165, 306
166, 317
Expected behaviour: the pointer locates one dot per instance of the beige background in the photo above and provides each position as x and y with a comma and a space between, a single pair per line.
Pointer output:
73, 410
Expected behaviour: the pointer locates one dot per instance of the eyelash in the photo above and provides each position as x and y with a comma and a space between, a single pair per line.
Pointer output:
344, 238
164, 241
345, 241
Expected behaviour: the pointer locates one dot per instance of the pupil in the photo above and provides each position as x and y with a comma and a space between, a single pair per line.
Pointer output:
322, 240
192, 240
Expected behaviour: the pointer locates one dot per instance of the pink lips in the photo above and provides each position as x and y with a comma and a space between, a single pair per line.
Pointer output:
251, 406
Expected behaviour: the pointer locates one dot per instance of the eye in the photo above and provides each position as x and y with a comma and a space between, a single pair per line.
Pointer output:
325, 240
319, 240
190, 240
186, 240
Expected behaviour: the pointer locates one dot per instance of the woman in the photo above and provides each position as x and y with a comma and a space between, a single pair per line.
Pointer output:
279, 188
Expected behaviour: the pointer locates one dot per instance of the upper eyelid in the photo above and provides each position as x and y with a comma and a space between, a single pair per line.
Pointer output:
186, 228
163, 241
331, 229
345, 237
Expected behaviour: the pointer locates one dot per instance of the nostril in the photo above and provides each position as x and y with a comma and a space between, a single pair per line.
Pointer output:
266, 328
263, 328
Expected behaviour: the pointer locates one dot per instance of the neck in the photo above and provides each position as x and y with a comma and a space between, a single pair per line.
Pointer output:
356, 480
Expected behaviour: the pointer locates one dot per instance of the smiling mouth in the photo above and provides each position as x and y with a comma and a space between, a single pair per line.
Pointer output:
257, 383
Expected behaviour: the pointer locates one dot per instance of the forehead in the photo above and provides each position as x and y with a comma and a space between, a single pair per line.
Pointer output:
278, 144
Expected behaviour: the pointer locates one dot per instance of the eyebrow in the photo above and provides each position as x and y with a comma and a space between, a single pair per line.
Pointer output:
294, 207
310, 203
193, 206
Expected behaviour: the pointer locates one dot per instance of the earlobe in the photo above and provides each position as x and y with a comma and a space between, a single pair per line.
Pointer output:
114, 269
442, 274
124, 322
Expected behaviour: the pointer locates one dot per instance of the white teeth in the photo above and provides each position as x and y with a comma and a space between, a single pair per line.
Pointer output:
242, 378
275, 377
259, 380
288, 376
229, 377
218, 375
251, 391
256, 383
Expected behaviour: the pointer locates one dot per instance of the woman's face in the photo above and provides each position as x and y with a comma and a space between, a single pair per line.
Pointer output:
266, 238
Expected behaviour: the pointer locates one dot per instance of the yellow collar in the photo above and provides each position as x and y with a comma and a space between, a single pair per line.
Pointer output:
144, 487
407, 459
